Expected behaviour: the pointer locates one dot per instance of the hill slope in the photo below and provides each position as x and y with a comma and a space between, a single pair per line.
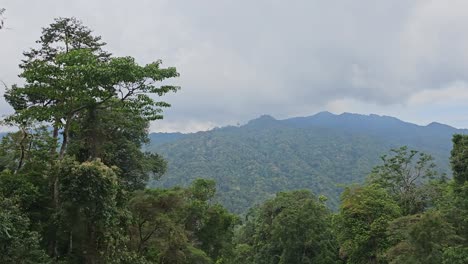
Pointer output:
322, 152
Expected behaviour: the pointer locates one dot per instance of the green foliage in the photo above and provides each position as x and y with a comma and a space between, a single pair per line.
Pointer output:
79, 80
292, 228
72, 179
369, 227
88, 194
88, 187
459, 159
180, 226
405, 174
420, 238
26, 151
116, 136
251, 163
28, 183
455, 255
454, 207
455, 204
63, 35
18, 243
362, 222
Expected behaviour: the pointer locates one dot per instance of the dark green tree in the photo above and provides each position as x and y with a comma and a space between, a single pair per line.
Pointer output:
294, 227
18, 243
180, 226
458, 193
459, 159
454, 204
420, 238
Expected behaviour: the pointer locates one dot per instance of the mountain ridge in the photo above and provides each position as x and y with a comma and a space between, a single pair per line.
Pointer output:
267, 117
323, 152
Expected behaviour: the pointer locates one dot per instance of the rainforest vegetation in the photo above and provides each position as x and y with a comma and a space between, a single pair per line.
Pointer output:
323, 153
74, 177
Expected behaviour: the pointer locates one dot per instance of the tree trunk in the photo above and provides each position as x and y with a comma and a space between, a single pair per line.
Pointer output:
66, 134
22, 149
55, 133
56, 198
70, 242
91, 256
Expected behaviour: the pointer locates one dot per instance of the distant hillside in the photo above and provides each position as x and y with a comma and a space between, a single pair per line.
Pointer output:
322, 152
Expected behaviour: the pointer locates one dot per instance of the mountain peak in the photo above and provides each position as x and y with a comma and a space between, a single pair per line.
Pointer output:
324, 113
261, 120
439, 125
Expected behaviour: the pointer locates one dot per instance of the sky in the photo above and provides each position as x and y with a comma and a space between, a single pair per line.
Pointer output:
239, 59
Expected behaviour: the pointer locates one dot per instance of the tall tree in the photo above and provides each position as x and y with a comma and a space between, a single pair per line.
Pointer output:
405, 174
458, 212
70, 82
459, 159
455, 204
43, 95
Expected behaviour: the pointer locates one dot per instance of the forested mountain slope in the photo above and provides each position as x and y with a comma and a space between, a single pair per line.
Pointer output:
322, 152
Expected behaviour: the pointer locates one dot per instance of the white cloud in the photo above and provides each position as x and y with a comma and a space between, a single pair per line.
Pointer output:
453, 93
240, 59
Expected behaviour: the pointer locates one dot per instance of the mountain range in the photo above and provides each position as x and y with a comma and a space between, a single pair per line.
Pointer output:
323, 153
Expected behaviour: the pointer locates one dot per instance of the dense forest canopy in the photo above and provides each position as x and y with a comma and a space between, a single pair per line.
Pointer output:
73, 181
323, 153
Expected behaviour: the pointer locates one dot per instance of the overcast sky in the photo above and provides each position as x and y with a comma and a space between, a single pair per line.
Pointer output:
239, 59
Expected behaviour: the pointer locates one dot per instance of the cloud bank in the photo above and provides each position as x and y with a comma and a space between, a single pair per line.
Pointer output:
239, 59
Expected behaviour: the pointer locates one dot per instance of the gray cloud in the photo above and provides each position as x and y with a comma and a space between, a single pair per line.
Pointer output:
239, 59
